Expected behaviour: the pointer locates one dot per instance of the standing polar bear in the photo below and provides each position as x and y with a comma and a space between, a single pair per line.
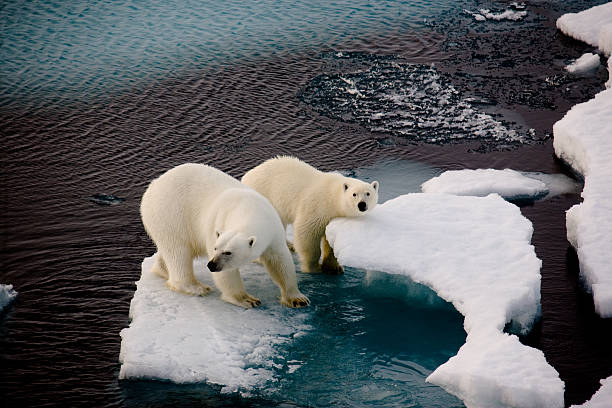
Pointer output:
194, 210
309, 199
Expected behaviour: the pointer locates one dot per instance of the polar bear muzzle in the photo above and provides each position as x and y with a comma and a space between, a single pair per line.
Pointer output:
213, 266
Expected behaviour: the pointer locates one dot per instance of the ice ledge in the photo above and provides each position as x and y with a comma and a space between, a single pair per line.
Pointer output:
474, 252
592, 26
583, 139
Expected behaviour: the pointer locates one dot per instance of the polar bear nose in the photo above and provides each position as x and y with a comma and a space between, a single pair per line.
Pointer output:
212, 266
362, 206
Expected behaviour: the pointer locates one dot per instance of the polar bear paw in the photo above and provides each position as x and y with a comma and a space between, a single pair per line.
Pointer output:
243, 300
299, 300
193, 289
331, 267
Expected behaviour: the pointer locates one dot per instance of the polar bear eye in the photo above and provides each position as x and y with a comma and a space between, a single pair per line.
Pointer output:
368, 194
227, 253
354, 195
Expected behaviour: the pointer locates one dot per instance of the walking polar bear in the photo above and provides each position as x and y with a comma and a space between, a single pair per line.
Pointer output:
194, 210
309, 199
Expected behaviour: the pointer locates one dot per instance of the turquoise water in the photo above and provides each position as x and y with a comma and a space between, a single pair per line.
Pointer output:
78, 50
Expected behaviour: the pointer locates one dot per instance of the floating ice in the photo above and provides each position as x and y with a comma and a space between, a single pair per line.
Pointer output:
486, 14
106, 199
592, 26
602, 398
474, 252
586, 63
510, 184
194, 339
583, 140
7, 295
413, 102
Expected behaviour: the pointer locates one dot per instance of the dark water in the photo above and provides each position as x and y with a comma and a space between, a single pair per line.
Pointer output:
95, 124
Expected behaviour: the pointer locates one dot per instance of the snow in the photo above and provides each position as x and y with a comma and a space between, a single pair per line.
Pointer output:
592, 26
583, 139
586, 63
510, 184
189, 339
7, 295
475, 252
602, 398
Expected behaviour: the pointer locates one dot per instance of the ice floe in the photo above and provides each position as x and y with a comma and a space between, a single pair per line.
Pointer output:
586, 63
474, 252
510, 184
7, 295
592, 26
602, 398
189, 339
583, 139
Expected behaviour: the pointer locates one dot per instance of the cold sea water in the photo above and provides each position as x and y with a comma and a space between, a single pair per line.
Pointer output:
98, 98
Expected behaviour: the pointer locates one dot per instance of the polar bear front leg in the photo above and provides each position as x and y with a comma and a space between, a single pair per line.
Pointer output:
282, 271
232, 289
179, 266
307, 242
330, 264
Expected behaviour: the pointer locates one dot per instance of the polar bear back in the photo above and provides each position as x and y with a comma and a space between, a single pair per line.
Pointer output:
172, 204
287, 180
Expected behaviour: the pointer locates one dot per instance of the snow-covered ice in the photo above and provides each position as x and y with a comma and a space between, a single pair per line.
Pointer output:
583, 139
592, 26
586, 63
189, 339
602, 398
475, 252
7, 295
510, 184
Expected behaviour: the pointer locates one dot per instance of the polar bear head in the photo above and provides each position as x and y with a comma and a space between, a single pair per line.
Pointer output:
232, 250
358, 197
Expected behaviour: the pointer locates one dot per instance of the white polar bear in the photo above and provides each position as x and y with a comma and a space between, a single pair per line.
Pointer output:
309, 199
194, 210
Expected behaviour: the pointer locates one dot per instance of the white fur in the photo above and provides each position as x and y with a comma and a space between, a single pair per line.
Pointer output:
309, 199
196, 210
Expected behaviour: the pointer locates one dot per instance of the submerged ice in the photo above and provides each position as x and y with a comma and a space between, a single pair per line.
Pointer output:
7, 295
412, 102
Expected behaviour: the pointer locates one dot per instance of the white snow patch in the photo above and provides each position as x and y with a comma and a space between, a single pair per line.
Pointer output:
474, 252
592, 26
583, 139
189, 339
586, 63
510, 184
486, 14
7, 295
602, 398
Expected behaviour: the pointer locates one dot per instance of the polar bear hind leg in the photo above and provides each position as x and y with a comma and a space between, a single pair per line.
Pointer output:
232, 289
179, 266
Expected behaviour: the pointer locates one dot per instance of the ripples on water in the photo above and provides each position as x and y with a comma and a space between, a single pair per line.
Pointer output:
99, 98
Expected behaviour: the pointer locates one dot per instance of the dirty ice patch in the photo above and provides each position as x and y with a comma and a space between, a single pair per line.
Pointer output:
583, 139
592, 26
475, 252
510, 184
7, 295
586, 63
189, 339
602, 398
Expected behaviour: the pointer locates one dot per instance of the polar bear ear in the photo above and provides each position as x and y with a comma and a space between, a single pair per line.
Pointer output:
251, 241
345, 186
375, 185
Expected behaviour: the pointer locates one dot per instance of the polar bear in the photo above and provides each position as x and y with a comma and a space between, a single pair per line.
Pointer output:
309, 199
194, 210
